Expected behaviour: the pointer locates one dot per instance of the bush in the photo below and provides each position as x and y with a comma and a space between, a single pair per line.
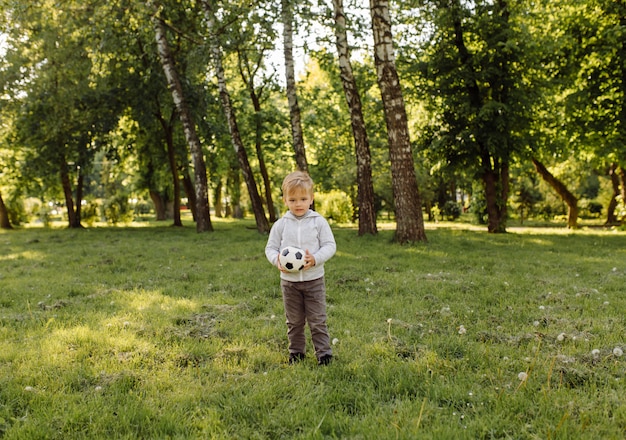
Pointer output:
335, 205
451, 210
90, 212
590, 208
116, 210
17, 212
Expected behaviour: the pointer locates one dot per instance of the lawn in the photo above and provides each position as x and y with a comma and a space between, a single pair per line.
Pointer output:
158, 332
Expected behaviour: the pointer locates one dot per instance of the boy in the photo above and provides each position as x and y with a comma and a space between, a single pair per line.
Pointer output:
304, 292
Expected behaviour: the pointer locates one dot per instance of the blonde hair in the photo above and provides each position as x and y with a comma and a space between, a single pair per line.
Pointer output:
295, 181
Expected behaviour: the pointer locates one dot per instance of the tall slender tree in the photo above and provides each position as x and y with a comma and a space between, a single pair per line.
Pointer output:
287, 17
408, 205
229, 112
203, 218
365, 187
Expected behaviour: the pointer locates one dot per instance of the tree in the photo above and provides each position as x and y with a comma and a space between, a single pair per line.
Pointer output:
203, 218
287, 17
479, 92
569, 198
365, 187
592, 81
64, 112
5, 222
248, 70
408, 206
229, 113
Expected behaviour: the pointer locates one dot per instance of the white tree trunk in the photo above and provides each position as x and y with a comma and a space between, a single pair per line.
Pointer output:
229, 113
294, 108
203, 219
408, 205
365, 197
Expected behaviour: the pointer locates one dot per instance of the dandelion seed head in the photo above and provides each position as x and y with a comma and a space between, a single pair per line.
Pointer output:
389, 320
523, 376
618, 352
542, 307
595, 352
560, 337
29, 389
335, 341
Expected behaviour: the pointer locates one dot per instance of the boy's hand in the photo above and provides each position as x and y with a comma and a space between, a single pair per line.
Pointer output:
309, 260
280, 266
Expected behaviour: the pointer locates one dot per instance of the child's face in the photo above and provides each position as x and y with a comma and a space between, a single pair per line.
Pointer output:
298, 201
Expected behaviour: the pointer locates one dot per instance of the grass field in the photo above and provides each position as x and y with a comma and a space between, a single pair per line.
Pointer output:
157, 332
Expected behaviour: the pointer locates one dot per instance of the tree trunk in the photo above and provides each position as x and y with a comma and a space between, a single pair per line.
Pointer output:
248, 79
5, 221
242, 156
190, 191
562, 191
203, 218
73, 220
622, 178
80, 186
611, 218
159, 205
496, 182
365, 195
171, 157
290, 73
408, 205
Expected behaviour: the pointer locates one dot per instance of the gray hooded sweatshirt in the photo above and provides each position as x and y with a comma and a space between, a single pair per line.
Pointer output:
310, 232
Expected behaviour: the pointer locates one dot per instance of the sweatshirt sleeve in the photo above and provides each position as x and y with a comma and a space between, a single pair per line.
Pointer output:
272, 248
328, 247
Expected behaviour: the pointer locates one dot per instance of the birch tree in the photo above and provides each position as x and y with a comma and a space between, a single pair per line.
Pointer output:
203, 218
242, 156
248, 77
287, 17
365, 187
408, 205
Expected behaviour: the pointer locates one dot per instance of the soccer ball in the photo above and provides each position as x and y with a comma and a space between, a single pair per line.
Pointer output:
291, 259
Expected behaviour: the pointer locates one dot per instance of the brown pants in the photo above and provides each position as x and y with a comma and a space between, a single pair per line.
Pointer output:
306, 302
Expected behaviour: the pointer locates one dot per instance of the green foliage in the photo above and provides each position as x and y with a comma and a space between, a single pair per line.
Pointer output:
335, 205
17, 211
159, 332
452, 210
116, 209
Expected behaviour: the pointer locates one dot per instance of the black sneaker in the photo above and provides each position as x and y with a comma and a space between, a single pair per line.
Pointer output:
294, 358
325, 360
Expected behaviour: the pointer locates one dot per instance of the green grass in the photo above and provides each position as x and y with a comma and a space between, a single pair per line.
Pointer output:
160, 332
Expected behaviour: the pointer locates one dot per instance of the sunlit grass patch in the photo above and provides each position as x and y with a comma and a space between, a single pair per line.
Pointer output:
158, 332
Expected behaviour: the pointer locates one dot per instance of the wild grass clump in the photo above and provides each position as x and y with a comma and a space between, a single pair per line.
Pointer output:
160, 332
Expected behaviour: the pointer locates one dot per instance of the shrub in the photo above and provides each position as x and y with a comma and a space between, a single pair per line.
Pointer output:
451, 210
335, 205
116, 209
590, 208
17, 212
90, 212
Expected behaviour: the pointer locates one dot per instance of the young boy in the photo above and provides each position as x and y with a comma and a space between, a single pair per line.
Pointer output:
304, 292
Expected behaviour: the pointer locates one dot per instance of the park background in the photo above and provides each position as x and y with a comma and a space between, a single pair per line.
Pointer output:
142, 146
503, 109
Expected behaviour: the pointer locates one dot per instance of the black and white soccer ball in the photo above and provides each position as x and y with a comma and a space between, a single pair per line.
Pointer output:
292, 259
